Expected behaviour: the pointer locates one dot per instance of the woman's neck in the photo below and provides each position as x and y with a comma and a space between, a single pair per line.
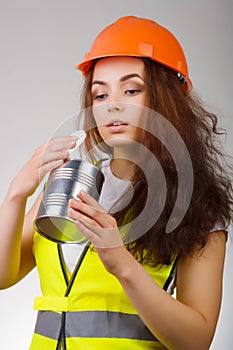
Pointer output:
122, 168
123, 164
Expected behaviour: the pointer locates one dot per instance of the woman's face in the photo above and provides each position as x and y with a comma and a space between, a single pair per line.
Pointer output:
118, 98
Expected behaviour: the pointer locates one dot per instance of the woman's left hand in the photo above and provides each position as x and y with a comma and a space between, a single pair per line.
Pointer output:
99, 227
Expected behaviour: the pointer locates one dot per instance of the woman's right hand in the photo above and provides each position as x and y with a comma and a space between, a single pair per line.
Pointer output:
46, 157
17, 229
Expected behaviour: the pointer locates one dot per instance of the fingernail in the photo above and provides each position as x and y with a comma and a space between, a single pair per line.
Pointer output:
82, 193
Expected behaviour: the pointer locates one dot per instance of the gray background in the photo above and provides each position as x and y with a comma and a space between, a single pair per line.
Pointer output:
40, 44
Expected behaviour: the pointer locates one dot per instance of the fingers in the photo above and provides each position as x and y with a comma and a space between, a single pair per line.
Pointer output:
77, 216
100, 237
61, 143
56, 149
53, 154
47, 167
45, 158
98, 226
93, 210
88, 199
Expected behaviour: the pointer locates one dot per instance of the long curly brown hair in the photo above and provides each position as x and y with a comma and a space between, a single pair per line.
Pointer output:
211, 200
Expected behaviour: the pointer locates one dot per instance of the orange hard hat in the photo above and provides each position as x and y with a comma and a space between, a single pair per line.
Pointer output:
139, 37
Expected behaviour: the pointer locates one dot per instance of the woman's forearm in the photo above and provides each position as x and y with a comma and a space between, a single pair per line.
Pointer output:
12, 212
177, 326
16, 233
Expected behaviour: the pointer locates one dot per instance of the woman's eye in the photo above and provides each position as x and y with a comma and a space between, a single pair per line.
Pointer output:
132, 91
100, 97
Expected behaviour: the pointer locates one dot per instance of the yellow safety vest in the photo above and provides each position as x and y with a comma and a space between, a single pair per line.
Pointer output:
89, 309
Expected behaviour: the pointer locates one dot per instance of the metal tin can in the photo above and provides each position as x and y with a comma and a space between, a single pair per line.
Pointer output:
64, 183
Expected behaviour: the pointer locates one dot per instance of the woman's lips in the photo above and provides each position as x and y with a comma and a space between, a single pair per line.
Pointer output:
117, 125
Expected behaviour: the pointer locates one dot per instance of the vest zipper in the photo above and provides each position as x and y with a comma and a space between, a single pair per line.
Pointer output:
61, 344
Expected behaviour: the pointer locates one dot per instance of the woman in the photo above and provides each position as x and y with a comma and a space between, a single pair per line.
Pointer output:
139, 111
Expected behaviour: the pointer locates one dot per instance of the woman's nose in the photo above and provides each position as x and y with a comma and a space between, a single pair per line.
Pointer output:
115, 107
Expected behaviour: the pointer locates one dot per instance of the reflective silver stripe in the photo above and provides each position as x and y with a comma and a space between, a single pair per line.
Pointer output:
93, 324
48, 324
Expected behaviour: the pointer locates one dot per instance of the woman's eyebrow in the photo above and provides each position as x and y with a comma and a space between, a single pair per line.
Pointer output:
123, 78
129, 76
98, 82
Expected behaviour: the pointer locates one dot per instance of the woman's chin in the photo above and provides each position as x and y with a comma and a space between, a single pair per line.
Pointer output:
116, 142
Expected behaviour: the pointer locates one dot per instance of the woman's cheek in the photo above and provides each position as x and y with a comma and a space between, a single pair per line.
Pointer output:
99, 114
101, 132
